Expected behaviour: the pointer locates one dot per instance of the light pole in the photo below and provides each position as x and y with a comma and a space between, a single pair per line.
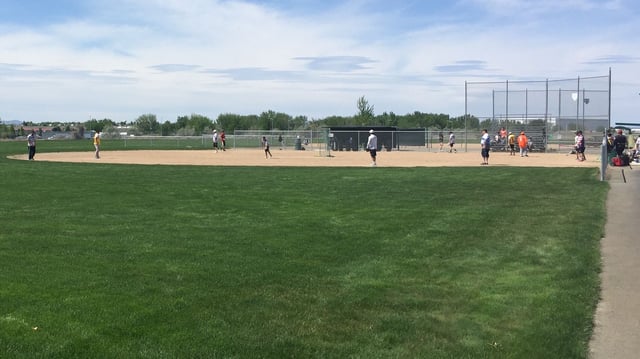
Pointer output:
585, 101
575, 96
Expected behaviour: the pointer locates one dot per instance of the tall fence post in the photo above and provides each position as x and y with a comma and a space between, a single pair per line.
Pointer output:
604, 160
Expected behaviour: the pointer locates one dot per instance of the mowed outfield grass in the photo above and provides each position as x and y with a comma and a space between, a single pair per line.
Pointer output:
126, 261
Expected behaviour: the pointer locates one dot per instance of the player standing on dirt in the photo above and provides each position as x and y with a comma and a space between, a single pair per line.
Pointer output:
523, 143
265, 146
96, 144
580, 146
485, 144
31, 145
215, 140
372, 147
512, 144
452, 142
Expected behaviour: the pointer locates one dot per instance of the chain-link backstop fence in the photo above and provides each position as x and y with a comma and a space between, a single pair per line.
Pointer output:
549, 111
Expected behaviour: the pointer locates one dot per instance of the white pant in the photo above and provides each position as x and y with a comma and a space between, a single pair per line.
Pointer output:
524, 151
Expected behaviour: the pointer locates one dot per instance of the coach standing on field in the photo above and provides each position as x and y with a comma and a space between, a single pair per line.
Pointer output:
372, 147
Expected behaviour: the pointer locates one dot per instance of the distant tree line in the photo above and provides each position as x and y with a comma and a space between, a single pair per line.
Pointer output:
195, 124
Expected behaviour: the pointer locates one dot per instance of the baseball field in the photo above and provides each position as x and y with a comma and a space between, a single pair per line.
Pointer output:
171, 254
289, 157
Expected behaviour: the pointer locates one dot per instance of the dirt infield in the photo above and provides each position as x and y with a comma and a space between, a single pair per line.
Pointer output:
255, 157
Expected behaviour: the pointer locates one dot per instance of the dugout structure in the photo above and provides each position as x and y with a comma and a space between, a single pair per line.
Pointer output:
354, 138
294, 139
549, 111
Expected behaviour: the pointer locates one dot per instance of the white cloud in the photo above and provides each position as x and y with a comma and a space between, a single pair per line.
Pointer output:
125, 58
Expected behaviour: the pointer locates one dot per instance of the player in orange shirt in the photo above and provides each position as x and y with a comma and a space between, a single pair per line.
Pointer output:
523, 144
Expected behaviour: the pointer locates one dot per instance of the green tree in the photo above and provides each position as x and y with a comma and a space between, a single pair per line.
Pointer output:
199, 123
80, 133
250, 122
266, 120
334, 121
472, 122
229, 122
298, 122
95, 125
182, 122
6, 131
147, 124
488, 124
365, 114
383, 119
92, 125
440, 121
167, 129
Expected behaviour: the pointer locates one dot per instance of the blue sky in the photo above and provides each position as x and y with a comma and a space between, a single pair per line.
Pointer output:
69, 60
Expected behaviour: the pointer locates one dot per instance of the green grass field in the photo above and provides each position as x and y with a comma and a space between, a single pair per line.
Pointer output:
126, 261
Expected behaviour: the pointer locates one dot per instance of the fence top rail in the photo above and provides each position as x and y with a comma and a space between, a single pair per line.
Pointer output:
536, 81
159, 137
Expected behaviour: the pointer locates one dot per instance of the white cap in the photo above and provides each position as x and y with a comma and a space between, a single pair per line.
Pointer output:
370, 131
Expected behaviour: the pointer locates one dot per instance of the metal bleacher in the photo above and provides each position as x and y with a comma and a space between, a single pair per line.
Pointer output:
536, 134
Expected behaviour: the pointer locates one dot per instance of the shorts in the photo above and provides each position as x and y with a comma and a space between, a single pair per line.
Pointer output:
580, 149
373, 153
215, 145
485, 152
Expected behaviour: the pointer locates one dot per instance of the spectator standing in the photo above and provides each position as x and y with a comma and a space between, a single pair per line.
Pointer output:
372, 147
441, 140
31, 145
223, 140
609, 142
636, 151
523, 143
620, 143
